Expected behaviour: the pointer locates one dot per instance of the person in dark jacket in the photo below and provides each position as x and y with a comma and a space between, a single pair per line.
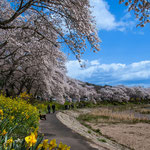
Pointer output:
72, 106
7, 93
66, 107
53, 108
49, 109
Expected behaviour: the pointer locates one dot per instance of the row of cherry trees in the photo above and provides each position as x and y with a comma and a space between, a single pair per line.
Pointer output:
31, 32
83, 91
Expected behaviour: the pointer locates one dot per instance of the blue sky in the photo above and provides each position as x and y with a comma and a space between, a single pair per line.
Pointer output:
125, 50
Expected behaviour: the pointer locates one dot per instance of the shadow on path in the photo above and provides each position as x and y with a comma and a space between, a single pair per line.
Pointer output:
53, 128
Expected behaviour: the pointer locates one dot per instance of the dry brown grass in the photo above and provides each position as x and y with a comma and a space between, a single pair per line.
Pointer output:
143, 111
114, 124
116, 115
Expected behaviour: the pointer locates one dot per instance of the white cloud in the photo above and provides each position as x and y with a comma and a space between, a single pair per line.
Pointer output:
94, 62
106, 20
111, 67
140, 64
113, 74
75, 70
137, 70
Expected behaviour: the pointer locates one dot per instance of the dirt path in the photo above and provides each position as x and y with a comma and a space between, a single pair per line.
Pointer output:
52, 128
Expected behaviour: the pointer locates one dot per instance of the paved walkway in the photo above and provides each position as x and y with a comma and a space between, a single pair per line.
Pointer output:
53, 128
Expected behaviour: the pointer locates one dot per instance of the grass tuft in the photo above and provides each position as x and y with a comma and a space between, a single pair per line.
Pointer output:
102, 140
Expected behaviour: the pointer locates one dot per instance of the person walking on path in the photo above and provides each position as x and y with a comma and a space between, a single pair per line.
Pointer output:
49, 109
53, 108
7, 93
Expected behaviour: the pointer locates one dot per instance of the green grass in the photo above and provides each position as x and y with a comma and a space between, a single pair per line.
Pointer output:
91, 118
42, 106
120, 106
102, 140
89, 127
89, 131
97, 131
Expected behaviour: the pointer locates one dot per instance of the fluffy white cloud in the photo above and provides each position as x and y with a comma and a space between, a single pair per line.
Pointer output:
106, 20
113, 74
75, 70
137, 70
94, 62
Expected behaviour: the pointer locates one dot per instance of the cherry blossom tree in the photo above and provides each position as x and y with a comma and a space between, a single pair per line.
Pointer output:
141, 9
70, 19
31, 34
25, 61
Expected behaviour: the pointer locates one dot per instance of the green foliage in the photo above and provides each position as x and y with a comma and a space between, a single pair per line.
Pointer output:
85, 104
89, 131
97, 131
67, 103
102, 140
42, 106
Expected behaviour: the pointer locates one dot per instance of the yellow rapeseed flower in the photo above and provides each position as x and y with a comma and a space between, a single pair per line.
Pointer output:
1, 112
63, 146
12, 117
35, 133
27, 116
9, 142
68, 148
52, 144
45, 144
31, 140
39, 146
4, 132
2, 118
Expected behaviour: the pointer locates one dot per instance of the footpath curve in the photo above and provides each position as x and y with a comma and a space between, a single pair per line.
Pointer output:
52, 128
